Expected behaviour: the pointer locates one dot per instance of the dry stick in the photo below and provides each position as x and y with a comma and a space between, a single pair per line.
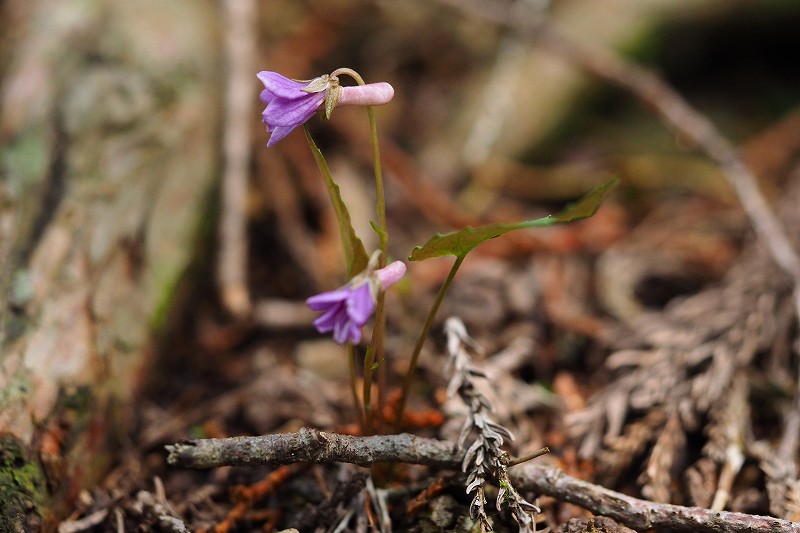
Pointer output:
641, 515
667, 103
310, 445
240, 45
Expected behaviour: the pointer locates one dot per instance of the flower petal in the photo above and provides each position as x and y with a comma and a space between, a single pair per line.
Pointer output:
281, 86
284, 112
266, 96
278, 133
328, 320
322, 301
360, 304
346, 331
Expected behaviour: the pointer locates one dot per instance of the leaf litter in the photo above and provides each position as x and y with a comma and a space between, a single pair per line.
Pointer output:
687, 403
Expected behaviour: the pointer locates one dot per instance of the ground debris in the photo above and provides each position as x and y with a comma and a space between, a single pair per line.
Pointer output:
687, 373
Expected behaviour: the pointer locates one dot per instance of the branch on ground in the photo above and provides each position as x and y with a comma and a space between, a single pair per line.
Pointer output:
311, 445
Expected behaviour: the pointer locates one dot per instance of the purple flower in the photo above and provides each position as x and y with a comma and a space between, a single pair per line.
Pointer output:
288, 105
346, 310
291, 103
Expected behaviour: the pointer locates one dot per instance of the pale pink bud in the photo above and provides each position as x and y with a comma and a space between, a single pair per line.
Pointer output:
370, 94
391, 273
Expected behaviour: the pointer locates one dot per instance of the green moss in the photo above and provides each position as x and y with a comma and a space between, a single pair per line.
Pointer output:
22, 486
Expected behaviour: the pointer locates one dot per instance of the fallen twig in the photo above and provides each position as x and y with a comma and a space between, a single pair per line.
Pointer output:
641, 515
83, 524
311, 445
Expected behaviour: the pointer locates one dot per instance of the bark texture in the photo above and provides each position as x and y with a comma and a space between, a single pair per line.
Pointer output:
312, 445
108, 117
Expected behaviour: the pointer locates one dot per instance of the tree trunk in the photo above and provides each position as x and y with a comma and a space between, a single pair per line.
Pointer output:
108, 149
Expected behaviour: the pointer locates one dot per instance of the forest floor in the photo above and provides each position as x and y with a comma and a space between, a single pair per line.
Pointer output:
651, 348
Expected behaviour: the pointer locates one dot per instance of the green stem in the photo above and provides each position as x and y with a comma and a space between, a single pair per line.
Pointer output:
423, 335
369, 359
380, 194
369, 362
376, 352
383, 238
351, 357
380, 204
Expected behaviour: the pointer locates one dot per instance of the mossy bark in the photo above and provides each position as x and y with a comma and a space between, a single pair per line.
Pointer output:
22, 486
108, 151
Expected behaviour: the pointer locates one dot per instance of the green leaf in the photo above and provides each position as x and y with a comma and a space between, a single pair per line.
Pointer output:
382, 235
460, 243
354, 252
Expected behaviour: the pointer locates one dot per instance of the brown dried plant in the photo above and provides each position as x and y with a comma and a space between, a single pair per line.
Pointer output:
691, 370
484, 459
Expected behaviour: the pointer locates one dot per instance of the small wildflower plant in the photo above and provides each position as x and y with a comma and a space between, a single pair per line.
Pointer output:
346, 311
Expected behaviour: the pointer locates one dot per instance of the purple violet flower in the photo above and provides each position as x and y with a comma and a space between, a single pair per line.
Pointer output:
288, 105
291, 103
346, 310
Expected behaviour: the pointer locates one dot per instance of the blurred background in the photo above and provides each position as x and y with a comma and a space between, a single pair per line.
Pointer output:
155, 254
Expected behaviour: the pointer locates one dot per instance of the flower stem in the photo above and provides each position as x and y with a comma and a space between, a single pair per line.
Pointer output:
370, 357
383, 238
376, 352
376, 156
423, 335
351, 357
380, 194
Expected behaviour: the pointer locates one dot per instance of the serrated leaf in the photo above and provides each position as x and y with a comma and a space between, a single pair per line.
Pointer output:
355, 254
459, 243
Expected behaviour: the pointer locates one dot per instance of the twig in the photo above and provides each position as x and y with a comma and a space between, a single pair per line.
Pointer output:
529, 457
85, 523
149, 508
642, 515
239, 95
310, 445
666, 102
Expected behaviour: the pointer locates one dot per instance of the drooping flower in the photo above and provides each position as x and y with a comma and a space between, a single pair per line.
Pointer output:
346, 310
290, 103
